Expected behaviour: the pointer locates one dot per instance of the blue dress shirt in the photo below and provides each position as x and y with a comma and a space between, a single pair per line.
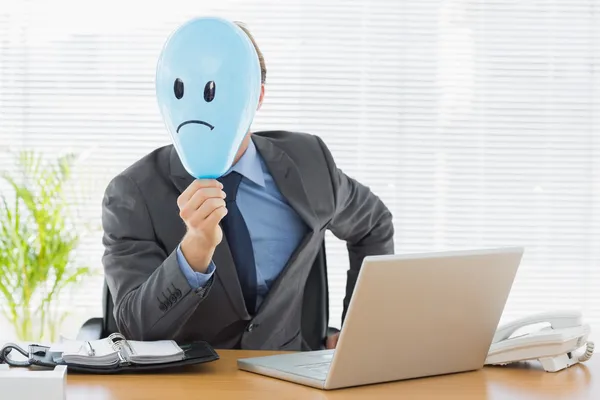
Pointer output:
275, 228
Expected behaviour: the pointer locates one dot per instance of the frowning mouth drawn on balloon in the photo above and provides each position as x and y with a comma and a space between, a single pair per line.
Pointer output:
195, 121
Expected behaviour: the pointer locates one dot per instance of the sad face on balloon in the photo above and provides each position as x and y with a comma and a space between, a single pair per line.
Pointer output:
208, 86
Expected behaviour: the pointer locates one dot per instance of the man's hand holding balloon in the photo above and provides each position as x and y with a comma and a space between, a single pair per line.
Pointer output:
208, 85
202, 206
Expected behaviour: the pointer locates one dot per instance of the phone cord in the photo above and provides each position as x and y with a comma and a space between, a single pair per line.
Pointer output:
589, 350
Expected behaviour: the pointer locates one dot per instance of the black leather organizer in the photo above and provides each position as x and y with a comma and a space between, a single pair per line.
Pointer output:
40, 357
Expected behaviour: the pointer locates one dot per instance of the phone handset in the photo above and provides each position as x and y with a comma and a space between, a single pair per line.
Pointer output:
556, 319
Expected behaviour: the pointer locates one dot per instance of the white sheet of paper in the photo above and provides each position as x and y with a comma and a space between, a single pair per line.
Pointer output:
67, 346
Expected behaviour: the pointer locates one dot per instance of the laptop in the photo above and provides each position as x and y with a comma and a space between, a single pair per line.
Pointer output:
411, 316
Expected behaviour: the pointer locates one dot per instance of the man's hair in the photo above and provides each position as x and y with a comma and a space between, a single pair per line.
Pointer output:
261, 59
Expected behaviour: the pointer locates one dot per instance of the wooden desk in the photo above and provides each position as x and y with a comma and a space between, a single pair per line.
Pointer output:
221, 380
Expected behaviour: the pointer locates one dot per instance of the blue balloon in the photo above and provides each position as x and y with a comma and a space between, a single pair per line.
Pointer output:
208, 87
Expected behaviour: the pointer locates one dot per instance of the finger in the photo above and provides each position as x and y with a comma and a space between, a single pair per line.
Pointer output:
194, 187
216, 216
198, 199
205, 210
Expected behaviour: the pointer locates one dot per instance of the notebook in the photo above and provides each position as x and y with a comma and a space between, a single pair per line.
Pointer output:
115, 349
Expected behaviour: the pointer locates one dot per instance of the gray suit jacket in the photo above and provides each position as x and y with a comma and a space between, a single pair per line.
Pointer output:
142, 229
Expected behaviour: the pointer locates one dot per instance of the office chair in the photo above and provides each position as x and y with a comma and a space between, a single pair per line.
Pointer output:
315, 310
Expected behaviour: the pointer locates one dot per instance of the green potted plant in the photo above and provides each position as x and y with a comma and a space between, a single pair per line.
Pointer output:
38, 237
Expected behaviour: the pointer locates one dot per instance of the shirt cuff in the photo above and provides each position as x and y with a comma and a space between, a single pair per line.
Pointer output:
195, 279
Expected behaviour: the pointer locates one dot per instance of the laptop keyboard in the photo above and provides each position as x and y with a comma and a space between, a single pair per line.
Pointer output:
317, 370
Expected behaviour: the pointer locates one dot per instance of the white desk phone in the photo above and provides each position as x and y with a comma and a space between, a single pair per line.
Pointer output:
553, 346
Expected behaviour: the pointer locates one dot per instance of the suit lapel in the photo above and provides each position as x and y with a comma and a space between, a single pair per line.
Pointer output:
180, 177
287, 177
227, 274
225, 268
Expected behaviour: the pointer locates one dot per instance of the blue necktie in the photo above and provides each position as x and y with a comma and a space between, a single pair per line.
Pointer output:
237, 235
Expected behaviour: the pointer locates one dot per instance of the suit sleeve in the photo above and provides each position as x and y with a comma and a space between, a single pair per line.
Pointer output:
151, 294
361, 219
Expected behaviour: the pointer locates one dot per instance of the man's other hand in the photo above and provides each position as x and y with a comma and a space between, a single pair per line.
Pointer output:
332, 340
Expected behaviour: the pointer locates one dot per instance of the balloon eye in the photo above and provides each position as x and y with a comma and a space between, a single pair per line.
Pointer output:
178, 88
209, 91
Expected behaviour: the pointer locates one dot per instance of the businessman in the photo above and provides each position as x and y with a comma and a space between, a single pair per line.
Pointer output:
226, 261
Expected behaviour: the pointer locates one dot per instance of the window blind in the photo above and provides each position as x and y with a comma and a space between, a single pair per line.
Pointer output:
477, 122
